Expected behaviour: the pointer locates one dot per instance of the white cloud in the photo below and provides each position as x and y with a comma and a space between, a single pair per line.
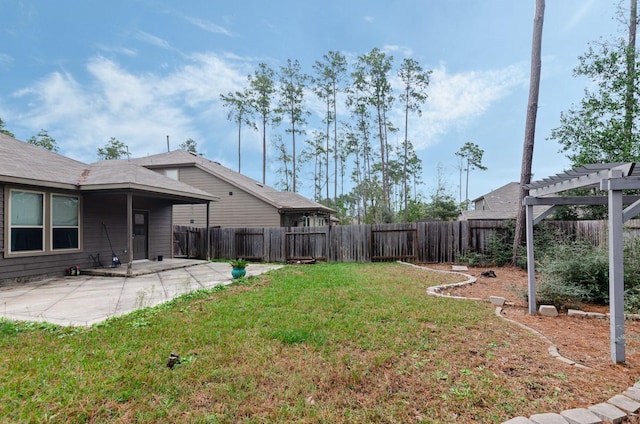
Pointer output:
208, 26
457, 99
119, 50
152, 39
403, 50
5, 59
139, 109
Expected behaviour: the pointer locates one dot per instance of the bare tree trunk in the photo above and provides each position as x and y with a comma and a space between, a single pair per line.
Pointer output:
264, 150
631, 69
530, 126
239, 134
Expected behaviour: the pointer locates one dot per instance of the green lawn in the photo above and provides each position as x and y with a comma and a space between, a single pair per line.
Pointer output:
320, 343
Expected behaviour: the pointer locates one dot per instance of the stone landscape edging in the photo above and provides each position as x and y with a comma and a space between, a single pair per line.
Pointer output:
437, 291
615, 410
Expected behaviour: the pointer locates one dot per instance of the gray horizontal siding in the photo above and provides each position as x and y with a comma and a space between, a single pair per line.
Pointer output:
232, 210
96, 210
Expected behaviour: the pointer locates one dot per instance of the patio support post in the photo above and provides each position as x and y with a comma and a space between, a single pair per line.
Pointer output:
208, 233
616, 272
531, 267
130, 231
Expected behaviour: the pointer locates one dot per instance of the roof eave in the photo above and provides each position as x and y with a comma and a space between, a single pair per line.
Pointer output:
37, 183
201, 198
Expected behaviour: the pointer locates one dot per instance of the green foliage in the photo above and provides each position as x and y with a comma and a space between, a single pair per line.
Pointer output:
259, 95
498, 250
3, 130
470, 155
603, 126
44, 140
238, 263
190, 146
562, 295
114, 149
578, 264
443, 207
579, 272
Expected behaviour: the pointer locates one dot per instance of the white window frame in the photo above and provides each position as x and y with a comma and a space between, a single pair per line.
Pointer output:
11, 226
52, 226
47, 226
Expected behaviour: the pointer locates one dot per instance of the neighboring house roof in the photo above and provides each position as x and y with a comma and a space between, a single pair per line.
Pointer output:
24, 163
501, 203
282, 200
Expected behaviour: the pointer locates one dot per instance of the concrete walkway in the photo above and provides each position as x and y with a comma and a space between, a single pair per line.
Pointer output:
87, 299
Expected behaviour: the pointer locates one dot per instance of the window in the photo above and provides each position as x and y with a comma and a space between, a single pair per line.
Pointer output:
65, 229
171, 173
26, 221
42, 223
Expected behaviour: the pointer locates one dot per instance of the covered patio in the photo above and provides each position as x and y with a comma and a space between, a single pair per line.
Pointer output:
613, 179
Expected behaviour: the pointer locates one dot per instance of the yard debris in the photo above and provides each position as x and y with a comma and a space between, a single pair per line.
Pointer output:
302, 261
174, 359
488, 273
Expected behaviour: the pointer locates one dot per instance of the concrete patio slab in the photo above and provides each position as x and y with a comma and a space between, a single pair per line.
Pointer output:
88, 299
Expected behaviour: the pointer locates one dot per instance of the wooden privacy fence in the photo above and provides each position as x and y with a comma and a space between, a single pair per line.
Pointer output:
427, 242
414, 242
188, 242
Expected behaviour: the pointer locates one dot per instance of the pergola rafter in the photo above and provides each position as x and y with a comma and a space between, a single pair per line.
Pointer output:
613, 178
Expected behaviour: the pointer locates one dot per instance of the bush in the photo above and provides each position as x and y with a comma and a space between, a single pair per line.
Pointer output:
579, 272
562, 295
473, 259
578, 264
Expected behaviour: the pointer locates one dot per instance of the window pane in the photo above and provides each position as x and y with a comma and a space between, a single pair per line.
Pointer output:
171, 173
65, 211
24, 239
26, 208
65, 238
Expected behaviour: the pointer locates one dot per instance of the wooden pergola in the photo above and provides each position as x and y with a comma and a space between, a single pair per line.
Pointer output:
613, 179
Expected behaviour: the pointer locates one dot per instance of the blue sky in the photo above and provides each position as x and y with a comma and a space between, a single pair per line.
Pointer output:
140, 70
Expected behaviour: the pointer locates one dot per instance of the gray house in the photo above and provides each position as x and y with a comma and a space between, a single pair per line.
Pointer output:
57, 212
244, 202
499, 204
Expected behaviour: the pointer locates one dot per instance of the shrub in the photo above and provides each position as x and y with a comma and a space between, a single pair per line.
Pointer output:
562, 295
579, 272
578, 265
473, 259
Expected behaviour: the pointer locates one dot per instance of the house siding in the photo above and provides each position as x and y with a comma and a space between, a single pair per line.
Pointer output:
113, 213
96, 209
238, 209
160, 231
2, 223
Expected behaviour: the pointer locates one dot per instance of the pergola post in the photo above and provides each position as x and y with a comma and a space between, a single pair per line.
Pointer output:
531, 268
616, 272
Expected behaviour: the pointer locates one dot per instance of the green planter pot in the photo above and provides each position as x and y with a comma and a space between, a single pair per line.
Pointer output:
238, 272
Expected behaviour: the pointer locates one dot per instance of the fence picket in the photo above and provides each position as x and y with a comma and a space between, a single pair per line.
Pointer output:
427, 242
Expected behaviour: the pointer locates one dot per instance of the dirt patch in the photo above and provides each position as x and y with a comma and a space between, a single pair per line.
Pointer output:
584, 340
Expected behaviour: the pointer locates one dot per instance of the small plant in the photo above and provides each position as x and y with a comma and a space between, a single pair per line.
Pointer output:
239, 263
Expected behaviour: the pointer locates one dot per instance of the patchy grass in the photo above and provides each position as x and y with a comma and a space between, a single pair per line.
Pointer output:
324, 343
